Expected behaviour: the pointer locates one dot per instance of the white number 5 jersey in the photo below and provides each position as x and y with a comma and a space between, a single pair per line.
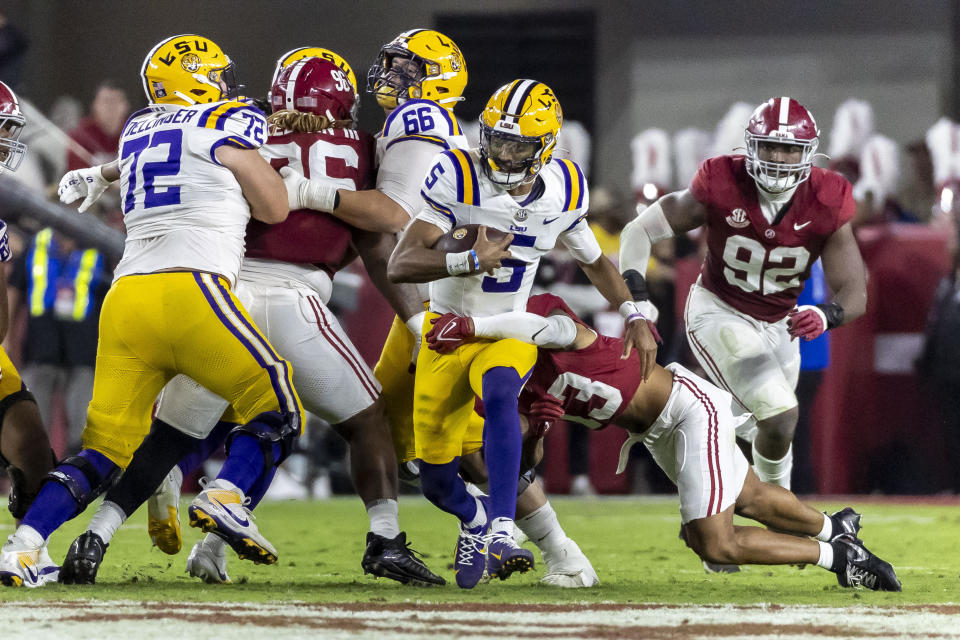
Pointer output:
182, 208
455, 192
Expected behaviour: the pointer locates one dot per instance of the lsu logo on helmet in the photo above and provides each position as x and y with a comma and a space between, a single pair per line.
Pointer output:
188, 69
418, 64
518, 132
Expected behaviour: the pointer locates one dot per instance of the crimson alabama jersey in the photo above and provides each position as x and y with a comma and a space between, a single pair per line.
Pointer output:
593, 384
755, 267
343, 156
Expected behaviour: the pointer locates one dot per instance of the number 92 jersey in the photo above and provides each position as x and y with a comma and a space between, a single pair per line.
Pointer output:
456, 193
755, 267
182, 208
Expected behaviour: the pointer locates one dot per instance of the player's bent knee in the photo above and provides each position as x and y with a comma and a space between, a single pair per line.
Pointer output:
71, 474
716, 549
270, 428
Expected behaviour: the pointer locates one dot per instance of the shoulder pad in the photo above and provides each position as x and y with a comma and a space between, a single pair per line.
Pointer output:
832, 189
239, 119
423, 120
463, 183
574, 184
716, 179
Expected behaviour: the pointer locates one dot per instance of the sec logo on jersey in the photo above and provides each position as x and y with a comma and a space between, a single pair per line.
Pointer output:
738, 218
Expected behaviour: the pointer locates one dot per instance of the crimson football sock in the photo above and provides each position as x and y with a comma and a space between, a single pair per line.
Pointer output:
54, 505
502, 439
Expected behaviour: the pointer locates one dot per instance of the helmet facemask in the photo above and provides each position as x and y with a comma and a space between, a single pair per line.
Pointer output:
397, 75
510, 160
12, 151
779, 177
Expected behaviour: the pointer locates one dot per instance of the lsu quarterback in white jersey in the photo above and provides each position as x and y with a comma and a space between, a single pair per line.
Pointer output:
191, 179
512, 184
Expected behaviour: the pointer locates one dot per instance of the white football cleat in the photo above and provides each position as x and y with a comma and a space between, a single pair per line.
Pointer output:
208, 561
163, 515
24, 565
224, 513
569, 568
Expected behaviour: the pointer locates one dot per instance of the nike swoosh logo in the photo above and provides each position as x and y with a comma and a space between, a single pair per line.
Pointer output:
496, 555
539, 331
549, 220
443, 334
797, 227
243, 523
31, 572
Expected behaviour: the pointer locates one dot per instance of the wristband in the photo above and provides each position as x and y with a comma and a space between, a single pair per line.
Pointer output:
630, 311
833, 313
460, 263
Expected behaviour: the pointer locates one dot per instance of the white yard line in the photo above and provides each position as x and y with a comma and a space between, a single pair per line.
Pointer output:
162, 621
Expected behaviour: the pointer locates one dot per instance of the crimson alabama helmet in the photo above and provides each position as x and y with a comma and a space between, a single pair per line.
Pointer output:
781, 121
314, 85
11, 125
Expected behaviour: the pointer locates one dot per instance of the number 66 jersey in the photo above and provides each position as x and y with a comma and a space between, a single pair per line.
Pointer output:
181, 207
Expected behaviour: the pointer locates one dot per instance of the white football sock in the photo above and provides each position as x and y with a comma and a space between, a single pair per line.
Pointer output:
176, 475
105, 522
826, 555
214, 543
30, 535
543, 528
384, 517
827, 532
478, 520
502, 525
773, 471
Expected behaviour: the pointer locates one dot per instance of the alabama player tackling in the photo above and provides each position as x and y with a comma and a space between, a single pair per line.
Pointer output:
687, 425
511, 183
768, 216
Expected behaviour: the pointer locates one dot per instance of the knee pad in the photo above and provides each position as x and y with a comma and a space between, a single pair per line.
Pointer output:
98, 483
526, 479
269, 428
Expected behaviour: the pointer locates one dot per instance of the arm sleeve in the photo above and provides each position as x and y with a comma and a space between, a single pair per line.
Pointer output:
552, 332
402, 168
639, 235
581, 243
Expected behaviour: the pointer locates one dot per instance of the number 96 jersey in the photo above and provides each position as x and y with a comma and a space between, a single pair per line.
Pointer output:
756, 267
455, 193
181, 207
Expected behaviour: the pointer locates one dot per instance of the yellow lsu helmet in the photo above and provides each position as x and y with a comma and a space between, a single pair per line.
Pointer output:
326, 54
188, 69
418, 64
518, 132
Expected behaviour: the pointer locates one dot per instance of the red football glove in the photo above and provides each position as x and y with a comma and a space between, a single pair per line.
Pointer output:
449, 332
807, 322
543, 413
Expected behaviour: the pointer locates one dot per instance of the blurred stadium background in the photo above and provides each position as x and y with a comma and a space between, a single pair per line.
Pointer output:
649, 89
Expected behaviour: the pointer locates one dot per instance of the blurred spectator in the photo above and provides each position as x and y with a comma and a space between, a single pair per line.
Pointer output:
917, 193
814, 360
652, 172
876, 189
62, 287
938, 363
99, 133
13, 44
728, 136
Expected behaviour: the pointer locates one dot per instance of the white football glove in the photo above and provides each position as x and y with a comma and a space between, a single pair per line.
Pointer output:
303, 193
88, 184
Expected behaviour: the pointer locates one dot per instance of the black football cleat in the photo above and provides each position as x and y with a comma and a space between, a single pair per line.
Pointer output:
394, 559
845, 521
856, 567
83, 559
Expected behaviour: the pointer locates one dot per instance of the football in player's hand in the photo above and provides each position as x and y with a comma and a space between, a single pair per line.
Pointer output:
463, 238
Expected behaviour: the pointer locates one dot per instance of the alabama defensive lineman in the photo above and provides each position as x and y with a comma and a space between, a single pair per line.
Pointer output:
768, 216
25, 451
191, 179
687, 425
285, 283
510, 184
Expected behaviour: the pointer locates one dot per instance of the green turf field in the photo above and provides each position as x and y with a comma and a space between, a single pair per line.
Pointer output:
632, 543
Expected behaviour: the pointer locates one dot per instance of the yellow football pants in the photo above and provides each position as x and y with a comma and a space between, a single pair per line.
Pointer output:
446, 388
155, 326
